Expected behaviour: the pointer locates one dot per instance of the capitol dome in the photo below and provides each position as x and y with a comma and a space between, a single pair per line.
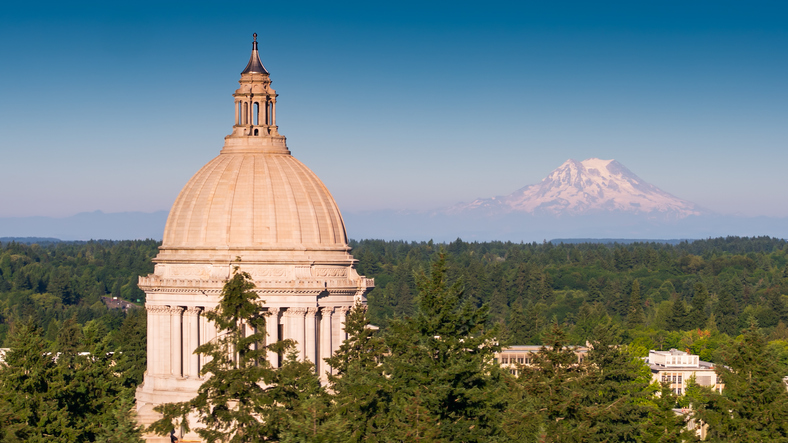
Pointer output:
258, 200
254, 198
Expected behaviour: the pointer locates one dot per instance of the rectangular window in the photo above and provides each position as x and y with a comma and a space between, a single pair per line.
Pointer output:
679, 378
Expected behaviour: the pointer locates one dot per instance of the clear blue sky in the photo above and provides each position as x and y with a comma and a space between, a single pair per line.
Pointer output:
113, 106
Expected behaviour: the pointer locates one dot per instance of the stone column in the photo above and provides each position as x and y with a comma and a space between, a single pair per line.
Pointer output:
157, 315
208, 330
176, 341
310, 336
272, 334
236, 113
191, 341
164, 344
296, 325
273, 113
325, 347
342, 318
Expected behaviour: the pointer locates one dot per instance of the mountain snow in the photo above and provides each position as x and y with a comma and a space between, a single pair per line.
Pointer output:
590, 186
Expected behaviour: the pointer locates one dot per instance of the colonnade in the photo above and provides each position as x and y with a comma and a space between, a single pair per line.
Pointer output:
247, 112
174, 332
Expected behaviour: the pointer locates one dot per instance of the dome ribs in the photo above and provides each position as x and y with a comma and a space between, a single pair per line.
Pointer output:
285, 202
241, 212
265, 229
192, 197
257, 200
310, 227
335, 232
219, 204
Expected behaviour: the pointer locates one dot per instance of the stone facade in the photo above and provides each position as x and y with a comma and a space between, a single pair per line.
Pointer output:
256, 203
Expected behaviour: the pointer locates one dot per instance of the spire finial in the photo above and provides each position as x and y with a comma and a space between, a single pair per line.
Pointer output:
255, 65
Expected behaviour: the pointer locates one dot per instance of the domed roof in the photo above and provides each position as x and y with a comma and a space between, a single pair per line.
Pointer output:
257, 200
254, 200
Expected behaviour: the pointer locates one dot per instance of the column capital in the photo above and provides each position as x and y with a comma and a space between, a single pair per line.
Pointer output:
158, 309
327, 309
193, 310
176, 309
295, 312
311, 312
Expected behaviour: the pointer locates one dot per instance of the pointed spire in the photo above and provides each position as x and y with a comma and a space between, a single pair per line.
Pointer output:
255, 65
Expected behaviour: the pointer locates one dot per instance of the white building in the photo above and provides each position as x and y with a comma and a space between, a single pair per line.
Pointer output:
256, 202
677, 367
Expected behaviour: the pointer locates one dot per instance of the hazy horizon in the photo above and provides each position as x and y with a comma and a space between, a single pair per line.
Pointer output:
411, 106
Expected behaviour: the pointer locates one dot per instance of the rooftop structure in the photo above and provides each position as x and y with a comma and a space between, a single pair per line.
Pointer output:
677, 367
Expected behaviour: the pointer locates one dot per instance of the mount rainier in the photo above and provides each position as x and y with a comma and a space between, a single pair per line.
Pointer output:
592, 186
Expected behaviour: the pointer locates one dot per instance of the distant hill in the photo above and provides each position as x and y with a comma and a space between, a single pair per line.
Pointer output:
29, 240
620, 241
88, 226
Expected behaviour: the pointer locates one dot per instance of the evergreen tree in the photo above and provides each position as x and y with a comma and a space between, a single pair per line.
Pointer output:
754, 403
240, 401
613, 406
444, 355
697, 317
635, 315
664, 425
678, 315
62, 394
552, 380
358, 381
132, 347
594, 294
725, 313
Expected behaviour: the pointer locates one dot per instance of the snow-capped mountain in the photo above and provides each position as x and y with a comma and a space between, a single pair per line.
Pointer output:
587, 187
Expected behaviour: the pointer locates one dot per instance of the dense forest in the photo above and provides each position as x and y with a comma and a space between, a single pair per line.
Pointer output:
428, 374
690, 296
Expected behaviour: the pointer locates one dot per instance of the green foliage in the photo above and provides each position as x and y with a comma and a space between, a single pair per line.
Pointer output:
754, 402
57, 281
441, 364
527, 285
62, 394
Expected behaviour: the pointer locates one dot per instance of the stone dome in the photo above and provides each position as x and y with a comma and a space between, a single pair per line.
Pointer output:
257, 200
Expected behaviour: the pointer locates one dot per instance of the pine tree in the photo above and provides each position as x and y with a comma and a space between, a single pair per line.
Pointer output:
754, 403
552, 381
594, 294
614, 393
725, 313
61, 394
697, 317
664, 425
240, 400
678, 315
635, 315
358, 381
446, 355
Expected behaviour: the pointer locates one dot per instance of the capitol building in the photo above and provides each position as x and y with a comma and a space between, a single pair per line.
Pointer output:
256, 203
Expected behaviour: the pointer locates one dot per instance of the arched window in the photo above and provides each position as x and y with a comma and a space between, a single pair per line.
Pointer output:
256, 118
246, 113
